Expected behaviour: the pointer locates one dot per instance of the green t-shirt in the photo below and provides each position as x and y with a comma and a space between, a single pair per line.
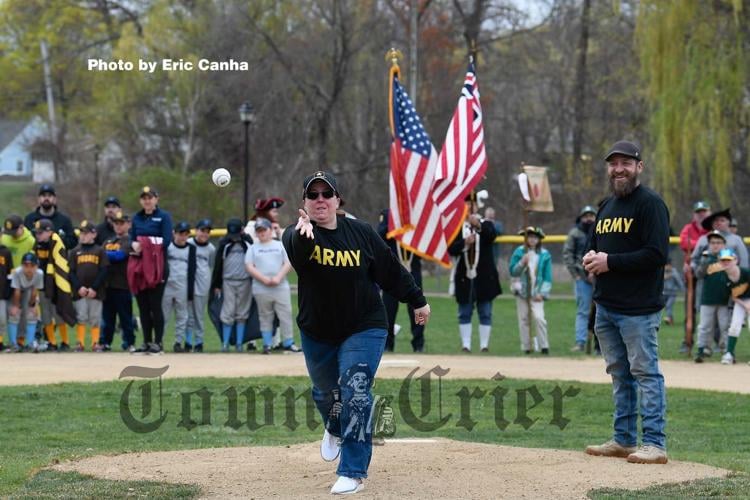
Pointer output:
715, 284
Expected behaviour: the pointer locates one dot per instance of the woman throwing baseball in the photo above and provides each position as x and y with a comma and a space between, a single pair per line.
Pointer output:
340, 263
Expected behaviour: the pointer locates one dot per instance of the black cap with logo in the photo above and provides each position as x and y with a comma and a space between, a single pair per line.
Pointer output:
625, 148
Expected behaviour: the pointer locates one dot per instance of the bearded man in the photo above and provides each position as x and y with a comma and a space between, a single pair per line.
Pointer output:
628, 250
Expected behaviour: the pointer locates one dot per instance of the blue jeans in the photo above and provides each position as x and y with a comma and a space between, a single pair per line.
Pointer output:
484, 310
630, 349
583, 290
345, 373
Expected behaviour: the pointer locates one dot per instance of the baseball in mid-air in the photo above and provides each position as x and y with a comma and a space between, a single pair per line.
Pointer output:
221, 177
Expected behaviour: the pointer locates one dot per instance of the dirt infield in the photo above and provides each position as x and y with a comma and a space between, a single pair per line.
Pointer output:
400, 469
48, 368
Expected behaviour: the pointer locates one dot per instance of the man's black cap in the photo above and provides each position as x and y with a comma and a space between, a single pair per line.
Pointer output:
112, 200
47, 189
625, 148
320, 175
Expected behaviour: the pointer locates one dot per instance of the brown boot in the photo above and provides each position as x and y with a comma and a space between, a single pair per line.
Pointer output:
610, 449
648, 454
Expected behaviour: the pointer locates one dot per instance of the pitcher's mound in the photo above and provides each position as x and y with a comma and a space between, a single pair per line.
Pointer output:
412, 468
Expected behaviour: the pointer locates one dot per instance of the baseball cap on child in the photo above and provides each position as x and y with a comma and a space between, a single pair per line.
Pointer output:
727, 254
262, 223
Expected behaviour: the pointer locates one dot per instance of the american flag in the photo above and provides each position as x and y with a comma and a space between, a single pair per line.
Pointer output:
463, 160
414, 219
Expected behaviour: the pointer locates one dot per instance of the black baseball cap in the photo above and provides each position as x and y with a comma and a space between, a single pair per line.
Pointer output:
182, 227
320, 175
87, 227
47, 189
30, 257
204, 224
120, 216
43, 225
625, 148
234, 226
112, 200
12, 223
148, 191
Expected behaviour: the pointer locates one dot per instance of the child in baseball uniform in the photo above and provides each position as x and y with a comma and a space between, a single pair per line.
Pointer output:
88, 277
739, 285
205, 255
178, 291
268, 264
6, 267
714, 294
233, 283
26, 281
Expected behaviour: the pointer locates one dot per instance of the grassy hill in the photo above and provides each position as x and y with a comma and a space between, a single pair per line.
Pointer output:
16, 197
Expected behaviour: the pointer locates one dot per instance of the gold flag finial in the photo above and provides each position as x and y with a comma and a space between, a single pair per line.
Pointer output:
394, 56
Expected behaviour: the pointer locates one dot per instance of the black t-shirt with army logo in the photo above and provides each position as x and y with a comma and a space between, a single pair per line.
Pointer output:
339, 272
634, 232
741, 288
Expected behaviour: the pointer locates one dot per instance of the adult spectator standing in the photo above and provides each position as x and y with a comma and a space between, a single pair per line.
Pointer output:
733, 226
413, 264
106, 230
118, 301
150, 236
573, 251
47, 209
689, 236
341, 262
476, 279
628, 250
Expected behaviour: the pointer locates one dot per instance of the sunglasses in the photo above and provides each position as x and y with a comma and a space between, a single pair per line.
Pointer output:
313, 195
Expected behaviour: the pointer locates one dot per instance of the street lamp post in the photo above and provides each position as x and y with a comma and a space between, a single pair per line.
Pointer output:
247, 115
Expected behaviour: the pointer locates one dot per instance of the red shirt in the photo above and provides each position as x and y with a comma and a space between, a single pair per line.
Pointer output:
689, 237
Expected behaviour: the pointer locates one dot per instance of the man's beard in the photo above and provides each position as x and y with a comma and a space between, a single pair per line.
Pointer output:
624, 188
46, 205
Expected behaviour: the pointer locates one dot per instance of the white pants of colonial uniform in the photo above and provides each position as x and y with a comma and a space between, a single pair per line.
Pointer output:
177, 303
709, 316
525, 315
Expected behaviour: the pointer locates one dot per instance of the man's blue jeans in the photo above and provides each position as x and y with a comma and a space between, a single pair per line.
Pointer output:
630, 349
344, 373
583, 290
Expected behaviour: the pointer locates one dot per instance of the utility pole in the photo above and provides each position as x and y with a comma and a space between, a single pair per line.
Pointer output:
50, 105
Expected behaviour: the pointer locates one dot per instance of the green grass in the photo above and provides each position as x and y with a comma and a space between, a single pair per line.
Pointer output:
52, 484
16, 198
442, 337
66, 421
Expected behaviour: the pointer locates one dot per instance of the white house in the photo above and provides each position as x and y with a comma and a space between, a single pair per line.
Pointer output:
16, 137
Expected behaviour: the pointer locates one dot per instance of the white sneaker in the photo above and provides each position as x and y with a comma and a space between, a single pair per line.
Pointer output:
727, 359
396, 329
347, 486
330, 447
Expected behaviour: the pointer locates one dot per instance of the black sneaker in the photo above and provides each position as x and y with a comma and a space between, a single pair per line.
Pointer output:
266, 349
545, 351
51, 347
155, 349
251, 347
177, 347
188, 347
63, 347
198, 348
143, 349
2, 347
699, 357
